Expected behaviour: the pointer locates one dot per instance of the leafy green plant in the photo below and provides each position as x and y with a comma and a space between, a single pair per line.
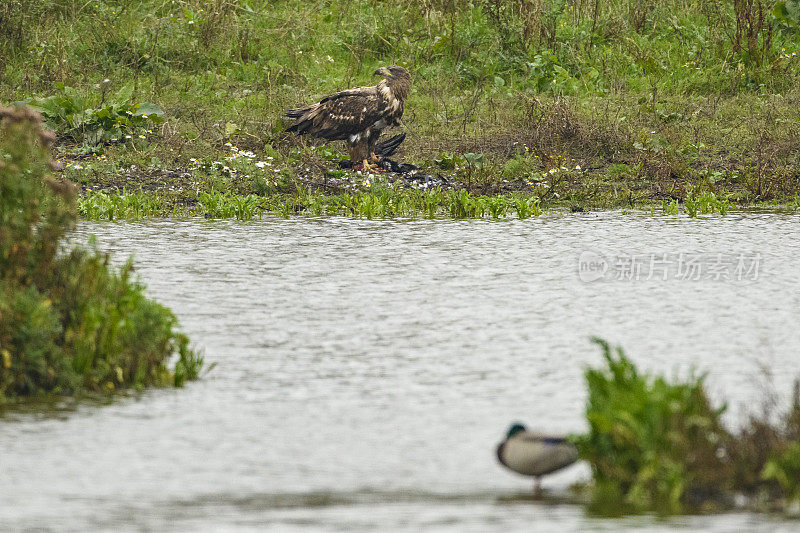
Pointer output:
671, 208
495, 205
367, 206
431, 201
216, 204
462, 204
244, 207
449, 161
659, 445
73, 116
691, 204
548, 76
284, 209
527, 207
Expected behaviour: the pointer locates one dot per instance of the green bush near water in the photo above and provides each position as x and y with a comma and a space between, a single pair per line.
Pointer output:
651, 443
655, 445
69, 322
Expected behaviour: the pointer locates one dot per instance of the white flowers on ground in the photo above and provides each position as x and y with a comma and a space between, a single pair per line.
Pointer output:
562, 169
238, 153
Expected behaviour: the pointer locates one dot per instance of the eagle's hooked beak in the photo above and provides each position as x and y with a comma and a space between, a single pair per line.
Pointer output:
383, 71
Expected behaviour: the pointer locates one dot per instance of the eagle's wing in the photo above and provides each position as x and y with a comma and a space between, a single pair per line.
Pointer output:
340, 115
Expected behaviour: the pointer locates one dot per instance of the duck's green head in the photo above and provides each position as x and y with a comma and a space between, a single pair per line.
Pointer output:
514, 429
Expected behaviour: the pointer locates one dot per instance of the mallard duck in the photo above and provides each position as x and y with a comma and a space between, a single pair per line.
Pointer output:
535, 454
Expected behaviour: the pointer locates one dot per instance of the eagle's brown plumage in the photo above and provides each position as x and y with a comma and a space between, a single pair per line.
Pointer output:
357, 115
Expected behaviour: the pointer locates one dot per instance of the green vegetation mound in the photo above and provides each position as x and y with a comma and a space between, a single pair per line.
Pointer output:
659, 445
69, 322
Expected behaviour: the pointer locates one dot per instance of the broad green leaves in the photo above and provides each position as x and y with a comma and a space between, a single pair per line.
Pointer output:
70, 115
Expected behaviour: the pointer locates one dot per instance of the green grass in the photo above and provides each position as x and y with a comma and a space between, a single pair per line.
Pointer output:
652, 100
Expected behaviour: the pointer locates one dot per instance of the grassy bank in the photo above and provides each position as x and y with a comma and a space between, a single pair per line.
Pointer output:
623, 104
69, 323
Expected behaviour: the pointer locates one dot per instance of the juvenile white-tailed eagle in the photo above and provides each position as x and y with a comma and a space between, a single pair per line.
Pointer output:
357, 115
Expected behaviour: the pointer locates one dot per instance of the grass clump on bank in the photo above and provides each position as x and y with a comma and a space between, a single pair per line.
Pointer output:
68, 322
655, 445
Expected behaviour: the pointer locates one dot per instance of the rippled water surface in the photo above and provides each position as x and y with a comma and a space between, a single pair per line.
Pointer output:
367, 369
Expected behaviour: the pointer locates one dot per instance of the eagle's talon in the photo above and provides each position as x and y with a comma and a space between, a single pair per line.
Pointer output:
365, 166
369, 167
375, 157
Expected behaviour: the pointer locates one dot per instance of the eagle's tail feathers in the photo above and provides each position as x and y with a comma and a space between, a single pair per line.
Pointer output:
296, 113
390, 145
300, 127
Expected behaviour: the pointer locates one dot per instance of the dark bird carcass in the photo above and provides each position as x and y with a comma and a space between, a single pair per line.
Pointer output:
534, 454
357, 115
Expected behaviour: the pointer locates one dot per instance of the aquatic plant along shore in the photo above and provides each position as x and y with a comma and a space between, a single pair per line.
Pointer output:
609, 107
381, 201
69, 323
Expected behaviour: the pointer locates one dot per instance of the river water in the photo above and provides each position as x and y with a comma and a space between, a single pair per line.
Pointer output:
367, 369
